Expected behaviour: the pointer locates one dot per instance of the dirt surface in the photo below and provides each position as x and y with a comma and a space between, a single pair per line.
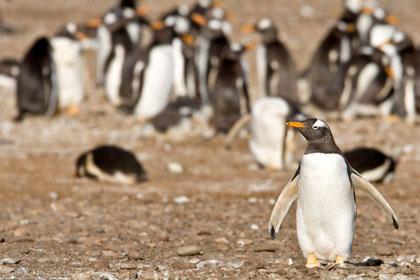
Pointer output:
54, 226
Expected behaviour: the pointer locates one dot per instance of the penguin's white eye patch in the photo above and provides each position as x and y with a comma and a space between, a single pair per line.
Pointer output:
319, 124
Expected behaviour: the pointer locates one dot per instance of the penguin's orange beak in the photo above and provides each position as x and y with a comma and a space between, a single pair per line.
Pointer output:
391, 19
94, 23
295, 124
367, 10
188, 39
141, 11
247, 28
157, 25
389, 72
250, 46
81, 36
199, 19
350, 28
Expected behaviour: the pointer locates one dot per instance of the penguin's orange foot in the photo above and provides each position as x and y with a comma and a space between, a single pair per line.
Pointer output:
272, 168
392, 119
339, 260
311, 261
72, 110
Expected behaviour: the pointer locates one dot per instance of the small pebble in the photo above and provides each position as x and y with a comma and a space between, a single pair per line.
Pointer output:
9, 261
255, 227
188, 251
243, 242
135, 255
306, 11
44, 260
128, 266
222, 240
175, 168
99, 264
181, 199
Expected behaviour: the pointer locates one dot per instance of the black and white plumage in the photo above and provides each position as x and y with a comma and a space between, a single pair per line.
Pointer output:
334, 51
230, 97
9, 71
36, 83
271, 143
367, 85
110, 164
323, 186
276, 68
372, 164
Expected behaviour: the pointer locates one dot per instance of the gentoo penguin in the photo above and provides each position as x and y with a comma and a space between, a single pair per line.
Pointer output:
324, 185
335, 50
230, 97
368, 85
124, 14
113, 69
36, 83
185, 74
271, 143
110, 164
276, 68
68, 58
155, 96
372, 164
213, 43
9, 71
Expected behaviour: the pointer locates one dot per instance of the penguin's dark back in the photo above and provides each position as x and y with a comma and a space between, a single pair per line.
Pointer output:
112, 159
34, 76
226, 98
363, 159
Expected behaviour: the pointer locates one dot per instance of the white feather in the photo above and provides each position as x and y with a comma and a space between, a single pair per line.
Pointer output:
268, 126
113, 76
261, 68
326, 209
180, 88
103, 50
158, 81
378, 173
69, 66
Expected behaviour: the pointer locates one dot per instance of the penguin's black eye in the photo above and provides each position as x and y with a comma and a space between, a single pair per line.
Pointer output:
315, 127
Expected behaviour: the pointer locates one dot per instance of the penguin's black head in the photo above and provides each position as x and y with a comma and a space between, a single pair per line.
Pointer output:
314, 130
265, 27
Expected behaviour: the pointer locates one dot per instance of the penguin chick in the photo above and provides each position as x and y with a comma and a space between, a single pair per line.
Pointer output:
323, 186
110, 164
372, 164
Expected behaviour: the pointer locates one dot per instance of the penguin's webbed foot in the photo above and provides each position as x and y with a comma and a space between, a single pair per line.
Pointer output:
311, 261
339, 261
72, 110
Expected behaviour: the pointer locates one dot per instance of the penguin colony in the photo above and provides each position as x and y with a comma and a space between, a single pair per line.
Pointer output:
184, 66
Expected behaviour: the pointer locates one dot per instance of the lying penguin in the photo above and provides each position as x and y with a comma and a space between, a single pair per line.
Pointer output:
271, 143
323, 186
372, 164
110, 164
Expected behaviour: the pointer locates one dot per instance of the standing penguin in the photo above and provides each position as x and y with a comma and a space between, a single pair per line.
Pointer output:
125, 14
276, 68
154, 96
36, 83
68, 58
335, 50
271, 143
323, 185
230, 97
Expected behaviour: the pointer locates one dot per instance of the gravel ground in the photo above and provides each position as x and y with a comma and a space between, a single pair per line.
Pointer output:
208, 222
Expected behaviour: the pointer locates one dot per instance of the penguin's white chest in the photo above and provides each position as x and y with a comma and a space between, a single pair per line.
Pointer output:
69, 64
325, 209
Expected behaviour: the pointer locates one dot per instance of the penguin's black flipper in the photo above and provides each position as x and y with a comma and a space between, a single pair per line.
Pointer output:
285, 200
375, 195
